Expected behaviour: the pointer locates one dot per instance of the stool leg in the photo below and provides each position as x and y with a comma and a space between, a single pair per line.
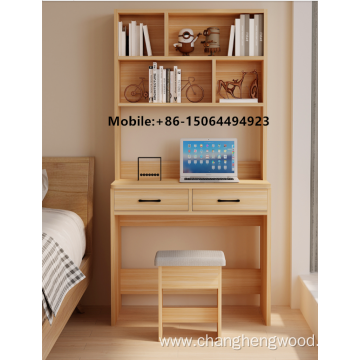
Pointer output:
219, 304
160, 307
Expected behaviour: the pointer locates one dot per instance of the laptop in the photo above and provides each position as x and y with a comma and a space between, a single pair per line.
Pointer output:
208, 160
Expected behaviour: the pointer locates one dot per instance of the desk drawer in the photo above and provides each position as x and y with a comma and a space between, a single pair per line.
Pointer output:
151, 199
230, 200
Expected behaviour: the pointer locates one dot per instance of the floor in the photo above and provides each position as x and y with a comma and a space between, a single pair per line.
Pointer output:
90, 336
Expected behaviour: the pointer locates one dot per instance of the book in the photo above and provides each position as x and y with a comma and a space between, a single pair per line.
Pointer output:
137, 41
172, 86
147, 40
133, 38
178, 86
164, 86
251, 36
151, 84
127, 50
175, 83
160, 84
120, 38
256, 35
237, 37
155, 96
167, 85
228, 101
141, 40
231, 40
242, 35
246, 27
261, 35
123, 42
130, 39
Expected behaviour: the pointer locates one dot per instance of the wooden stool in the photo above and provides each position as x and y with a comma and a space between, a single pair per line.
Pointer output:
189, 270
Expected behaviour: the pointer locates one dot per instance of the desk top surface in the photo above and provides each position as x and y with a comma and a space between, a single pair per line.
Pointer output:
175, 184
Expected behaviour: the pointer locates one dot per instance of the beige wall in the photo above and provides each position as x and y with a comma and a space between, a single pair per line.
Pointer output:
78, 98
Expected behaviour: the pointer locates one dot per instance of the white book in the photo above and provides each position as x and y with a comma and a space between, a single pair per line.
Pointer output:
161, 84
137, 41
141, 40
251, 37
155, 96
237, 37
123, 42
172, 90
175, 83
158, 87
151, 84
147, 40
178, 86
231, 40
130, 39
120, 38
242, 35
164, 86
256, 34
228, 101
133, 38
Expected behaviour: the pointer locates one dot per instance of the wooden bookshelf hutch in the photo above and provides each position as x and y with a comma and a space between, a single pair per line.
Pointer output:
192, 204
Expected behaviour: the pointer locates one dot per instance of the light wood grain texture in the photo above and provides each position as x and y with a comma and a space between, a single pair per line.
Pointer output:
190, 220
234, 281
219, 304
190, 277
204, 199
132, 71
171, 170
229, 70
155, 24
160, 302
175, 184
71, 186
115, 264
201, 208
177, 199
88, 336
190, 315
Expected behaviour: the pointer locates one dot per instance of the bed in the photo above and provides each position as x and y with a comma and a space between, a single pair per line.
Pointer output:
71, 182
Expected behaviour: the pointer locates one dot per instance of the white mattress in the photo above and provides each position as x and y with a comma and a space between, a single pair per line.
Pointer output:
68, 230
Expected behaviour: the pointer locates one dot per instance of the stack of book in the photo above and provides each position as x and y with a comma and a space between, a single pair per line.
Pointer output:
164, 84
248, 36
132, 43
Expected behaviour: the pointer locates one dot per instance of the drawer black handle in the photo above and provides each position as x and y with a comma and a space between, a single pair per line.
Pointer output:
142, 200
235, 200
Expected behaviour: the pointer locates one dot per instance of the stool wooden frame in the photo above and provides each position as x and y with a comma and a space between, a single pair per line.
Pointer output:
185, 279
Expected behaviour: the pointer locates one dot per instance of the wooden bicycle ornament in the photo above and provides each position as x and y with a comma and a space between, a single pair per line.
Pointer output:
134, 92
234, 87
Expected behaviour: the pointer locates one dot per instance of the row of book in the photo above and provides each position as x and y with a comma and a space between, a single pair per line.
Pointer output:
132, 43
248, 36
164, 84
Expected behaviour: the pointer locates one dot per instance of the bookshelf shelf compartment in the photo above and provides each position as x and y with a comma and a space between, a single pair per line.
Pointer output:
131, 71
229, 70
155, 23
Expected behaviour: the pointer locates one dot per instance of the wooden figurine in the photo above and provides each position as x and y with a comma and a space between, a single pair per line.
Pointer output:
212, 41
186, 43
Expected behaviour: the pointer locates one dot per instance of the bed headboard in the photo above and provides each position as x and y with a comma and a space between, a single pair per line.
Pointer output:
71, 184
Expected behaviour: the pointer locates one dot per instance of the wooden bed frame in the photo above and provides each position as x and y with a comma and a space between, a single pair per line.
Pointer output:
71, 181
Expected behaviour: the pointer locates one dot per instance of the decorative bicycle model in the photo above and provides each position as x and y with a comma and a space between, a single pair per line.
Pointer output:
133, 93
234, 88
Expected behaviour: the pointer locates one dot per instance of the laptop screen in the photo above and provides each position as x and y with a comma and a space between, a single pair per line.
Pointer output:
209, 156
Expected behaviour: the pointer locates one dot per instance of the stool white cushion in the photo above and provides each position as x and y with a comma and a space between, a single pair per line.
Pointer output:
190, 258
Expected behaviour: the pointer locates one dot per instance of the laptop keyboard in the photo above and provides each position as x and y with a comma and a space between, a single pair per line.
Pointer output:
206, 178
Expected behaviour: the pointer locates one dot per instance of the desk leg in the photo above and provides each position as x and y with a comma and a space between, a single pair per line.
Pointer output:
115, 254
265, 266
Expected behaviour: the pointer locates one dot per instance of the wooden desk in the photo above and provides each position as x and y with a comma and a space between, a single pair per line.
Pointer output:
191, 204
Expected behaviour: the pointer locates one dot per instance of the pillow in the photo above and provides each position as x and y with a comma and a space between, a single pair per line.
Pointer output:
45, 183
